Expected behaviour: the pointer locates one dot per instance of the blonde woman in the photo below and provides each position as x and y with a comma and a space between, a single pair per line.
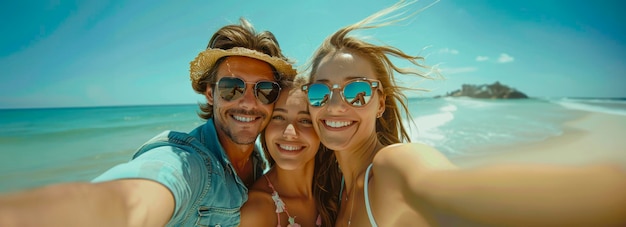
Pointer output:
387, 183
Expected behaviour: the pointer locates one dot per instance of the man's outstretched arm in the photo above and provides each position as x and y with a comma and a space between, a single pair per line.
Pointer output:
130, 202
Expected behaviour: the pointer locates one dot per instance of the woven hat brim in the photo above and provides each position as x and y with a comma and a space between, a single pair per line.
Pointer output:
206, 59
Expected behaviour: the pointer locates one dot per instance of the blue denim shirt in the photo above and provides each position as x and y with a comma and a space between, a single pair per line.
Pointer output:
195, 168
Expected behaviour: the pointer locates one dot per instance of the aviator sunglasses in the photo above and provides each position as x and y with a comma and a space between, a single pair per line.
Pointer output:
356, 92
233, 88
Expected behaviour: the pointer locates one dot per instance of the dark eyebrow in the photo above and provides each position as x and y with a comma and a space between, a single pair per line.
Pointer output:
280, 109
285, 111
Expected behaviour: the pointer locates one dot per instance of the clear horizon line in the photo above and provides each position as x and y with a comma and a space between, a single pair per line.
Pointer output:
185, 104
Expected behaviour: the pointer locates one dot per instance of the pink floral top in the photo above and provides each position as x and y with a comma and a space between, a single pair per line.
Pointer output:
280, 208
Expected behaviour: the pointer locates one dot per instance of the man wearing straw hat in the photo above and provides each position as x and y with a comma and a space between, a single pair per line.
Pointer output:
181, 179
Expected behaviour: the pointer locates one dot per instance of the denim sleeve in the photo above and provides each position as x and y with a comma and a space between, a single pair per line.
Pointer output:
178, 170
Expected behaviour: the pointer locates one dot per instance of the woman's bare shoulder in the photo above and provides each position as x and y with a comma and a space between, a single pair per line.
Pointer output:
259, 210
260, 192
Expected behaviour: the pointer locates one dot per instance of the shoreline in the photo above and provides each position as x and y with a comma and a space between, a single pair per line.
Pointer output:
592, 138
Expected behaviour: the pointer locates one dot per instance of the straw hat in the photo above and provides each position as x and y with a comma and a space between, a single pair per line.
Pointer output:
204, 61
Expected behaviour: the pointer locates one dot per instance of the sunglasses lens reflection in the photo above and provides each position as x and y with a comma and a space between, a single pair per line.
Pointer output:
357, 93
319, 94
267, 92
232, 88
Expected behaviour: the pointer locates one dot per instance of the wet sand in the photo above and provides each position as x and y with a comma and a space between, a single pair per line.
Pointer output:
593, 138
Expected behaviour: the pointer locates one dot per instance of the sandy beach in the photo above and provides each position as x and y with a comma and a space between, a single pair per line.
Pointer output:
592, 138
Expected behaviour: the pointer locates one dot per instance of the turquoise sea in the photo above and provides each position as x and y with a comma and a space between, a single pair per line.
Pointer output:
44, 146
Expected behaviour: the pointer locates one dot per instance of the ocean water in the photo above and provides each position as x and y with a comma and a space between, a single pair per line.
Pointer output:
464, 126
43, 146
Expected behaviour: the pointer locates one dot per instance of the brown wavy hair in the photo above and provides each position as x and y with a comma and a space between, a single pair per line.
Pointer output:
242, 35
326, 177
326, 185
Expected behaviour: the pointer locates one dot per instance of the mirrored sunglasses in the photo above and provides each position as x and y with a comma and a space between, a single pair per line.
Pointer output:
355, 92
233, 88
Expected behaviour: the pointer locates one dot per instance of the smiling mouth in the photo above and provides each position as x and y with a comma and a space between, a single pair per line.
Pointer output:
290, 147
244, 119
337, 124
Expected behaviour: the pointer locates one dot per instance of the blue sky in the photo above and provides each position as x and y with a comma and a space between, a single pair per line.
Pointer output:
94, 53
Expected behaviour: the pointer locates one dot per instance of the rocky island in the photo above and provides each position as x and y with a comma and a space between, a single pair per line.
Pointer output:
487, 91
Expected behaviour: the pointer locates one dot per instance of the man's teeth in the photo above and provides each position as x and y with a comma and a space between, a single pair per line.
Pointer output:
289, 147
243, 119
338, 124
